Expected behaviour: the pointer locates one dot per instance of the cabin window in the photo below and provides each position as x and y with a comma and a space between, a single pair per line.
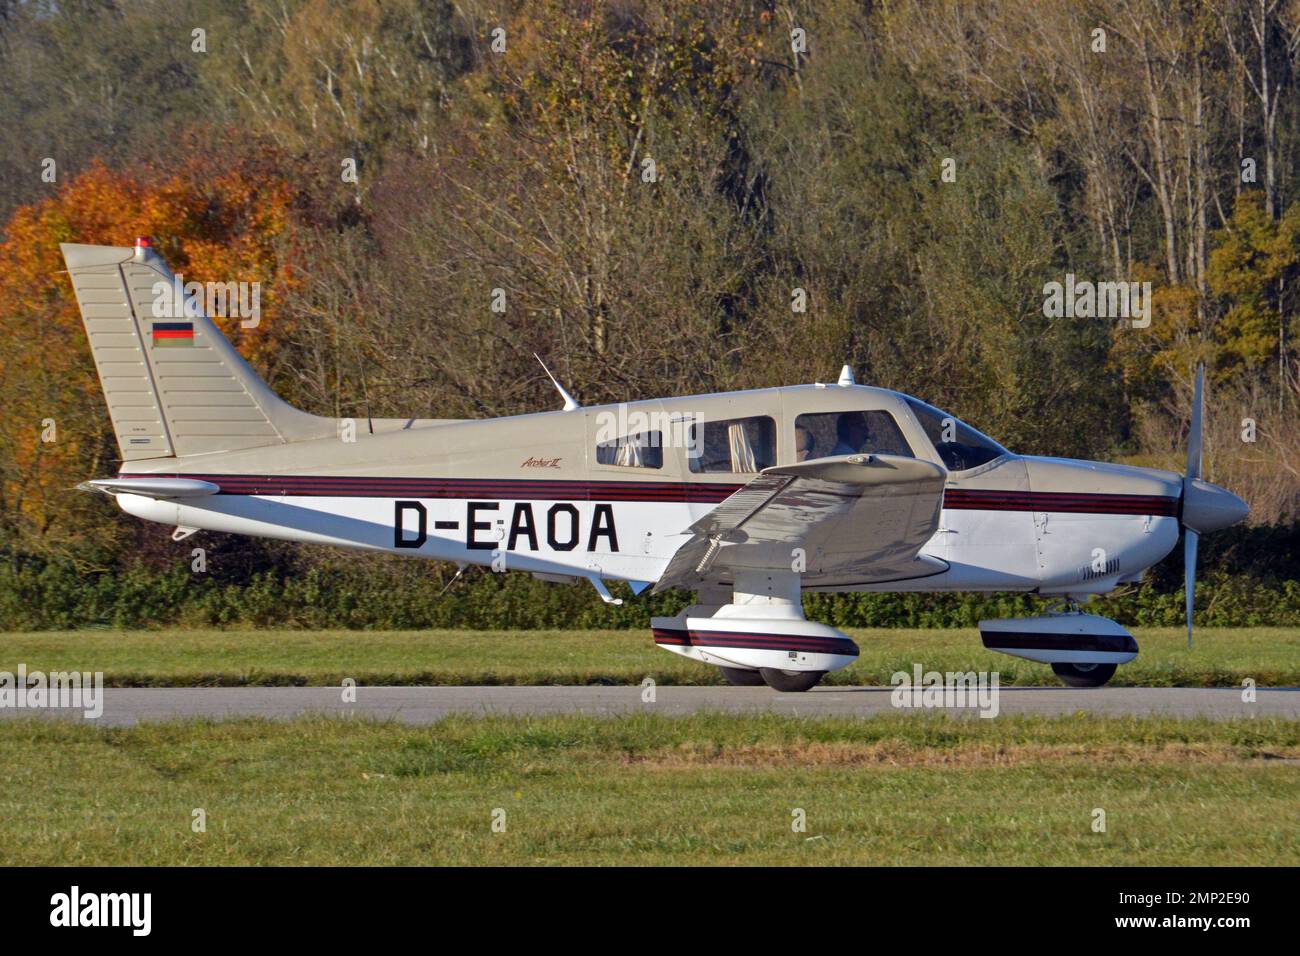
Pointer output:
642, 450
827, 434
738, 445
960, 447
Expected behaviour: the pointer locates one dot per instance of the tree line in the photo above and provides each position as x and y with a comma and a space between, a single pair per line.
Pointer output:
664, 198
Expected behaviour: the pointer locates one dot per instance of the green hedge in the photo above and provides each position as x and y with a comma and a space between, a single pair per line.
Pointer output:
369, 592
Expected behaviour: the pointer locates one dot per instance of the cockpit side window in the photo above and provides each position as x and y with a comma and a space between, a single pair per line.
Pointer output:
736, 445
960, 447
826, 434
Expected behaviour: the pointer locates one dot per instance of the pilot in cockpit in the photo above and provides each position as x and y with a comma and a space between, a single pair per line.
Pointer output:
804, 443
852, 432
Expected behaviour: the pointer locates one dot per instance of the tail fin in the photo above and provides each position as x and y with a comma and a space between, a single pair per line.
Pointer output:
174, 387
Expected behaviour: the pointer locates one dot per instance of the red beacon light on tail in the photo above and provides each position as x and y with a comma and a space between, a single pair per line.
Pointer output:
142, 245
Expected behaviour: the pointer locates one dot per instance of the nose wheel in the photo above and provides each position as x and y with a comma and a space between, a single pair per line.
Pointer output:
788, 682
791, 682
1084, 675
739, 677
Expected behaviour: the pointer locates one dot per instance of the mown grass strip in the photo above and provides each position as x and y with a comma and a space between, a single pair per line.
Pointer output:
213, 658
646, 789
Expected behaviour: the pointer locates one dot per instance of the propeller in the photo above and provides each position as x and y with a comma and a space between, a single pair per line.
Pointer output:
1195, 456
1190, 540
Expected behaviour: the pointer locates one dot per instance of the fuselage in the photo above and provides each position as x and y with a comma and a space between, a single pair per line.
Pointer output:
611, 491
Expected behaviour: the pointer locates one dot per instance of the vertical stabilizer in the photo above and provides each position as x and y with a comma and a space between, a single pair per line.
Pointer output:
174, 385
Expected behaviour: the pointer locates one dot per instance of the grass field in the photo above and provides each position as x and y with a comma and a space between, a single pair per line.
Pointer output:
1221, 657
654, 790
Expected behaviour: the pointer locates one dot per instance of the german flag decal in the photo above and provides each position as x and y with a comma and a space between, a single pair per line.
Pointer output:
171, 334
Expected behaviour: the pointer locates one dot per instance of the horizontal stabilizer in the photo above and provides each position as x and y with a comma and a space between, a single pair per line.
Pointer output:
153, 487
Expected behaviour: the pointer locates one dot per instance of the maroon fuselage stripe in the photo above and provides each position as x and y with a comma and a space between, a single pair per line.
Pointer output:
362, 486
506, 489
1061, 502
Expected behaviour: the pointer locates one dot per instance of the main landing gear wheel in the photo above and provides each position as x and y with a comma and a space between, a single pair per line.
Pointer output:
1084, 675
739, 677
791, 682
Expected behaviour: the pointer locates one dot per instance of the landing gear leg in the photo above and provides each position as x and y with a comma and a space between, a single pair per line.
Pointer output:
1065, 605
758, 637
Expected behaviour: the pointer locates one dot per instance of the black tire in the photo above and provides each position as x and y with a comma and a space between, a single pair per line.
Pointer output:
795, 682
1084, 675
739, 677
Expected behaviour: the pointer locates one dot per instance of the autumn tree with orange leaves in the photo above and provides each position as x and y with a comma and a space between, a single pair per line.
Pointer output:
214, 219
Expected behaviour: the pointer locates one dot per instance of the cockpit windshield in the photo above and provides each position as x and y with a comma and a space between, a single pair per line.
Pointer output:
959, 446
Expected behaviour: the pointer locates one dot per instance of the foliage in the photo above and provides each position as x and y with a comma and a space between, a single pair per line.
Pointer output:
250, 587
217, 218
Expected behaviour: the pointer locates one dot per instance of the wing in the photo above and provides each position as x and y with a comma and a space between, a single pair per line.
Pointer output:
857, 519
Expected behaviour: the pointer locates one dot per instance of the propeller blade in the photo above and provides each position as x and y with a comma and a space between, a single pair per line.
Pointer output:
1190, 539
1194, 442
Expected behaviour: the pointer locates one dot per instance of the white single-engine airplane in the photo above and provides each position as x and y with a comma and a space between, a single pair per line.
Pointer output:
747, 498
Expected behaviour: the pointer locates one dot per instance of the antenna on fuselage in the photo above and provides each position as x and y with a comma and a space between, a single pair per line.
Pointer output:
569, 402
846, 376
365, 393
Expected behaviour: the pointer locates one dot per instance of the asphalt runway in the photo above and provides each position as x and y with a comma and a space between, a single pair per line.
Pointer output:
423, 705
